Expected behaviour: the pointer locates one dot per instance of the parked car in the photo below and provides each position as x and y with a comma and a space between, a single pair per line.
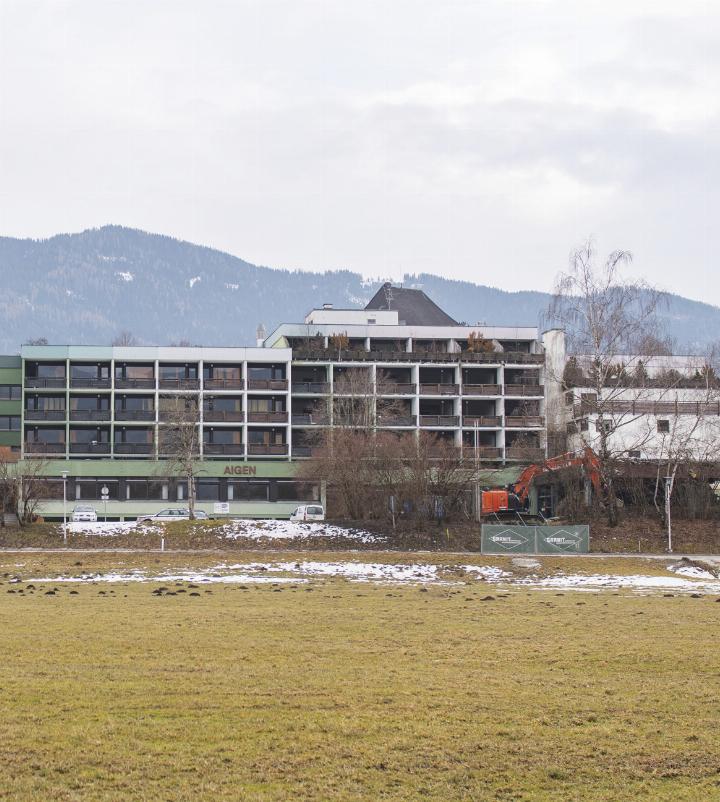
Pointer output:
308, 512
84, 512
173, 514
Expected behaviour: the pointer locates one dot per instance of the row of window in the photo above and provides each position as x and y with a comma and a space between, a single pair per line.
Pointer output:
90, 371
206, 489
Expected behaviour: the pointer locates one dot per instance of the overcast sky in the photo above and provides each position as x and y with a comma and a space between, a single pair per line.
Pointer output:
476, 139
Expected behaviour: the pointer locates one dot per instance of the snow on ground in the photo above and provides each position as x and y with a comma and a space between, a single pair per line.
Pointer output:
691, 571
110, 528
616, 582
290, 530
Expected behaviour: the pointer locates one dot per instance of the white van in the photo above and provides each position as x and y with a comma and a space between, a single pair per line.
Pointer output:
308, 512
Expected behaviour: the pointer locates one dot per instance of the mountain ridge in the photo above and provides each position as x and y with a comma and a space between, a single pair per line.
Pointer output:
84, 288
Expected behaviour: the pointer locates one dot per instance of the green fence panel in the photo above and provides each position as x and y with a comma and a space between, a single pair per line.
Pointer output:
507, 539
498, 539
562, 539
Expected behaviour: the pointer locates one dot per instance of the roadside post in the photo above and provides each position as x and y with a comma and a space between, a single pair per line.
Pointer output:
64, 475
668, 497
104, 495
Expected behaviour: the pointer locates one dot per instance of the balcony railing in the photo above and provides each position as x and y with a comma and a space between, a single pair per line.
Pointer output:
268, 384
525, 454
134, 384
223, 384
398, 388
697, 408
303, 419
524, 421
396, 420
134, 448
302, 451
224, 449
42, 383
89, 414
439, 420
179, 384
311, 388
267, 417
483, 452
493, 421
144, 415
90, 384
223, 415
273, 449
438, 389
481, 389
89, 448
523, 389
360, 355
45, 414
38, 447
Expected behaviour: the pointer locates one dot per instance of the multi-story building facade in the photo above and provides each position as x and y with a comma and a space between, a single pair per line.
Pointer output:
96, 414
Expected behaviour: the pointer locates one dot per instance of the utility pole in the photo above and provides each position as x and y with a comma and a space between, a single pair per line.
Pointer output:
64, 478
668, 490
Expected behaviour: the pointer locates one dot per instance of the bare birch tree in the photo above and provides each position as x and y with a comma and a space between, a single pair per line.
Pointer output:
180, 439
609, 322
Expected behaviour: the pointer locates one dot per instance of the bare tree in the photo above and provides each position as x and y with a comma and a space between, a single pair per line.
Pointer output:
23, 486
126, 338
610, 323
180, 439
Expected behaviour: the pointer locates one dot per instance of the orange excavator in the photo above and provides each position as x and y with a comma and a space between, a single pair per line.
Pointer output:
515, 497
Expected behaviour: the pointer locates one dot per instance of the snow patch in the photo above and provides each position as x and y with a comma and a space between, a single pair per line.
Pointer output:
275, 529
112, 528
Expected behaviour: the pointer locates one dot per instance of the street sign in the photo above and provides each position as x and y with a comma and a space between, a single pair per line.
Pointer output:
535, 539
221, 507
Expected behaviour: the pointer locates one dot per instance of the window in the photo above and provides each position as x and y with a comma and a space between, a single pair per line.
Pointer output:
146, 489
10, 392
634, 454
584, 425
245, 490
663, 426
9, 423
91, 489
208, 489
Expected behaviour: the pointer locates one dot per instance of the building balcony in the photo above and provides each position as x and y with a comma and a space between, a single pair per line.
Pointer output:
524, 421
134, 384
397, 388
303, 419
268, 384
223, 416
439, 420
310, 388
520, 358
267, 417
89, 448
223, 384
302, 451
490, 421
272, 449
37, 448
179, 384
481, 389
89, 414
90, 384
396, 420
525, 454
144, 415
524, 389
134, 449
43, 383
438, 389
483, 452
45, 414
223, 449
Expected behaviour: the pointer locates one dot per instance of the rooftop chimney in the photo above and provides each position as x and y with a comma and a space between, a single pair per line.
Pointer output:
260, 335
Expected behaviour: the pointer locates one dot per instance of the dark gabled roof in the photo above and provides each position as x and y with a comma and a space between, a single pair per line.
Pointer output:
414, 308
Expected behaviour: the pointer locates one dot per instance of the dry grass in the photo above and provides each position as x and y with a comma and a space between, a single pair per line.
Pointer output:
352, 691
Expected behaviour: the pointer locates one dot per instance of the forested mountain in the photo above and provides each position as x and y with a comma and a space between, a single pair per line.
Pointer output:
87, 287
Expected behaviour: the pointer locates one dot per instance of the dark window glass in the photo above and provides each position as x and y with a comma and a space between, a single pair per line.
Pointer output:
10, 392
296, 491
9, 423
208, 490
245, 490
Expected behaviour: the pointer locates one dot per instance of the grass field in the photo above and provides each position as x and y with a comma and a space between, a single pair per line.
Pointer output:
336, 690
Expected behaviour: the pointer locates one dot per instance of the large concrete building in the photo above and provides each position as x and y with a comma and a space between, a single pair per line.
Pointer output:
96, 413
